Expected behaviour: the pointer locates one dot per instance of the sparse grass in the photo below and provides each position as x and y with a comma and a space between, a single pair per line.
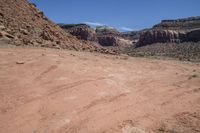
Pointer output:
187, 51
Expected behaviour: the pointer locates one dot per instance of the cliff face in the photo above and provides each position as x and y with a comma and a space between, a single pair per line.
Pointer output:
108, 36
105, 36
133, 35
193, 36
179, 24
172, 31
23, 24
107, 31
81, 31
161, 36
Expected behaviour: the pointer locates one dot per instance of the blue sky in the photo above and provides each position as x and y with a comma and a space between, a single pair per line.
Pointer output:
124, 15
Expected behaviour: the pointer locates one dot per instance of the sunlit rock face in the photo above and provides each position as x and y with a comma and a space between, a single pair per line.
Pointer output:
172, 31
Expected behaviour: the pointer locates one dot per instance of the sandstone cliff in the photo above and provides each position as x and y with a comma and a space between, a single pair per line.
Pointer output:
81, 31
172, 31
103, 35
179, 24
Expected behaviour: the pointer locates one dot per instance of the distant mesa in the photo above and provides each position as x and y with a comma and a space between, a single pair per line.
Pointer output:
172, 31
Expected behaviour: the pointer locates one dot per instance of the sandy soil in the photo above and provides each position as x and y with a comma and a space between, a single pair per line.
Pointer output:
55, 91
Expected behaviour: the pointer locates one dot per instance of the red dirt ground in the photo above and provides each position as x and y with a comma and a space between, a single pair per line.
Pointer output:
56, 91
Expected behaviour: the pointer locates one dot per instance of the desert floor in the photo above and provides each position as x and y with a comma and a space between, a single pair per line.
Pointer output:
58, 91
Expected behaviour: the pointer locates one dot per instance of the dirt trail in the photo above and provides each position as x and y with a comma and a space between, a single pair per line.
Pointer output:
55, 91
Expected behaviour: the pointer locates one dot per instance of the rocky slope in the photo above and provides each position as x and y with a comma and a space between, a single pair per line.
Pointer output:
172, 31
21, 23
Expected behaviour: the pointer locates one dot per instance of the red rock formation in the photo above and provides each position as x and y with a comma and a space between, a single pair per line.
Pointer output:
104, 35
161, 36
172, 31
81, 31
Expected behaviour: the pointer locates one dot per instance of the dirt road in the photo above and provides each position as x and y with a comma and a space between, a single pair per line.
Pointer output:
55, 91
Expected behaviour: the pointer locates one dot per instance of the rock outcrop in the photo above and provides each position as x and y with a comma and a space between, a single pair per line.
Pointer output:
172, 31
81, 31
107, 31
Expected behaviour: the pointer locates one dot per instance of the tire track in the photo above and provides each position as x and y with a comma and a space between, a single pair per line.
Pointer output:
56, 90
96, 102
51, 68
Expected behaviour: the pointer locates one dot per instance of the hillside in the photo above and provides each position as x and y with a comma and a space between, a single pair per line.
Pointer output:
21, 23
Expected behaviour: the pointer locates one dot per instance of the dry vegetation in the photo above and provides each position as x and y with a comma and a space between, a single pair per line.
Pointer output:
183, 51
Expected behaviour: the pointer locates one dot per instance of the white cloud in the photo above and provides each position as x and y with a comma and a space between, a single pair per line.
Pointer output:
126, 29
94, 23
